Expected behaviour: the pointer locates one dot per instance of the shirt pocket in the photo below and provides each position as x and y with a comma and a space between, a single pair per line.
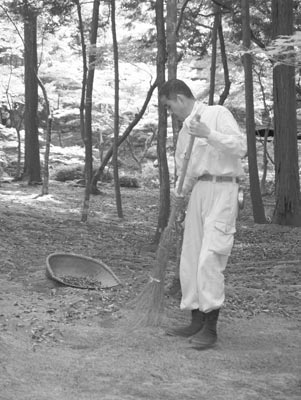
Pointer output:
222, 238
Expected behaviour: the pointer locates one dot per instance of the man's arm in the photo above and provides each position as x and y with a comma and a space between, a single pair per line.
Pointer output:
227, 138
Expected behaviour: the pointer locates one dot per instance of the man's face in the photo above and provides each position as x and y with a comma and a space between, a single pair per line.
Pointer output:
175, 106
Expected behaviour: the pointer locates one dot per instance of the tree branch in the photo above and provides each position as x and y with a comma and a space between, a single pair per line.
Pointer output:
122, 138
181, 16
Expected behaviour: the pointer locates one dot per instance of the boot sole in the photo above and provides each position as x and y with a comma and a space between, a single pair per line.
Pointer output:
202, 346
178, 334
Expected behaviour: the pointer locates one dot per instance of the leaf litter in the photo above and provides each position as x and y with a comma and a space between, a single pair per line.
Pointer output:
261, 278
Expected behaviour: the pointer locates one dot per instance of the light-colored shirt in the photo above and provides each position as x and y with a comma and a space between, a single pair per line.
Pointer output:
220, 154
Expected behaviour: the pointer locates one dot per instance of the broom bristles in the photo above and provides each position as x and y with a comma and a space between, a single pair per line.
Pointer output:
150, 306
150, 302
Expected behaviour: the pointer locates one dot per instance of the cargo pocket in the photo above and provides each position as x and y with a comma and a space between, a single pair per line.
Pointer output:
222, 238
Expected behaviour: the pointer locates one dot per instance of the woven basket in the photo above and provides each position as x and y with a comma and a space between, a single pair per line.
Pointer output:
80, 271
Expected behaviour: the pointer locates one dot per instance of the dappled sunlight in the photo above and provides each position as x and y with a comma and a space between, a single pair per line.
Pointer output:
23, 198
54, 202
65, 334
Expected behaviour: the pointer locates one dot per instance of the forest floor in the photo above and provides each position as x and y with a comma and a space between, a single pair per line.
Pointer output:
58, 342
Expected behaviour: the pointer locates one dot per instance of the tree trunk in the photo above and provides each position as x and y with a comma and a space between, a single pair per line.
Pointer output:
288, 209
172, 57
258, 209
216, 24
226, 90
45, 187
89, 89
85, 72
17, 118
87, 133
82, 106
32, 168
171, 38
162, 126
116, 113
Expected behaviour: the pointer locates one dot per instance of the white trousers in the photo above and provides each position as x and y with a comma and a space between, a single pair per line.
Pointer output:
207, 243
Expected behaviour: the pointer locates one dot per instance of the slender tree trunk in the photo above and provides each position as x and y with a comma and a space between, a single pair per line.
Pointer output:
171, 38
85, 72
86, 99
258, 210
162, 126
226, 90
32, 168
172, 56
268, 123
45, 187
17, 118
116, 113
88, 110
89, 89
288, 209
264, 163
216, 24
172, 64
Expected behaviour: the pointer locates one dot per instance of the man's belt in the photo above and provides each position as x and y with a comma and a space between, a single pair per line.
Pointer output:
215, 178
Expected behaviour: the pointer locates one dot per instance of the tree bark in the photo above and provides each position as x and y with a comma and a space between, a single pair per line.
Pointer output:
32, 167
226, 90
288, 209
89, 89
85, 72
116, 113
45, 187
217, 18
162, 126
86, 99
258, 209
172, 57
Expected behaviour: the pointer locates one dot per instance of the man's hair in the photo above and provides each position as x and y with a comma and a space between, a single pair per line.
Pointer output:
173, 87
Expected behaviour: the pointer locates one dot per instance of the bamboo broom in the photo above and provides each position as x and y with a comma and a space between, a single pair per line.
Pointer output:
150, 303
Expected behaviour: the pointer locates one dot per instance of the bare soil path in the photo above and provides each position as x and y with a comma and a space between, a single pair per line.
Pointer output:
58, 342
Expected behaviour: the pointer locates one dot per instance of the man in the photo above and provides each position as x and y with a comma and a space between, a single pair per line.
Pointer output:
213, 174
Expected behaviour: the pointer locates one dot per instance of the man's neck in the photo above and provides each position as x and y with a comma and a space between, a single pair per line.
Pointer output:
190, 106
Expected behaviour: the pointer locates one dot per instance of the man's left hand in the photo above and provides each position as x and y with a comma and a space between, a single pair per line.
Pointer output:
199, 129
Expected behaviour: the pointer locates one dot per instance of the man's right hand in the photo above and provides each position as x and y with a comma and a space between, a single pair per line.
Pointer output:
199, 129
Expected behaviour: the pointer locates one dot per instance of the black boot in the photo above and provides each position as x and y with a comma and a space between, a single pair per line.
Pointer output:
197, 323
207, 337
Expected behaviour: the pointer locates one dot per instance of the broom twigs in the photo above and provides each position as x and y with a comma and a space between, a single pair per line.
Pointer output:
150, 302
152, 279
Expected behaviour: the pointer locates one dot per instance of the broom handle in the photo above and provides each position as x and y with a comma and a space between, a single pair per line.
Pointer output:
187, 155
185, 164
173, 212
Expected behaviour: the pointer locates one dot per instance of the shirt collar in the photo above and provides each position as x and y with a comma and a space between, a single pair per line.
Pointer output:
198, 108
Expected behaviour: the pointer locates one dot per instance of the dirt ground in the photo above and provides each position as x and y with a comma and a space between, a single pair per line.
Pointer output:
58, 342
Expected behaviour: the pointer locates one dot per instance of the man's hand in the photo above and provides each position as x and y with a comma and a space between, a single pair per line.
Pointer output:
177, 200
198, 128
